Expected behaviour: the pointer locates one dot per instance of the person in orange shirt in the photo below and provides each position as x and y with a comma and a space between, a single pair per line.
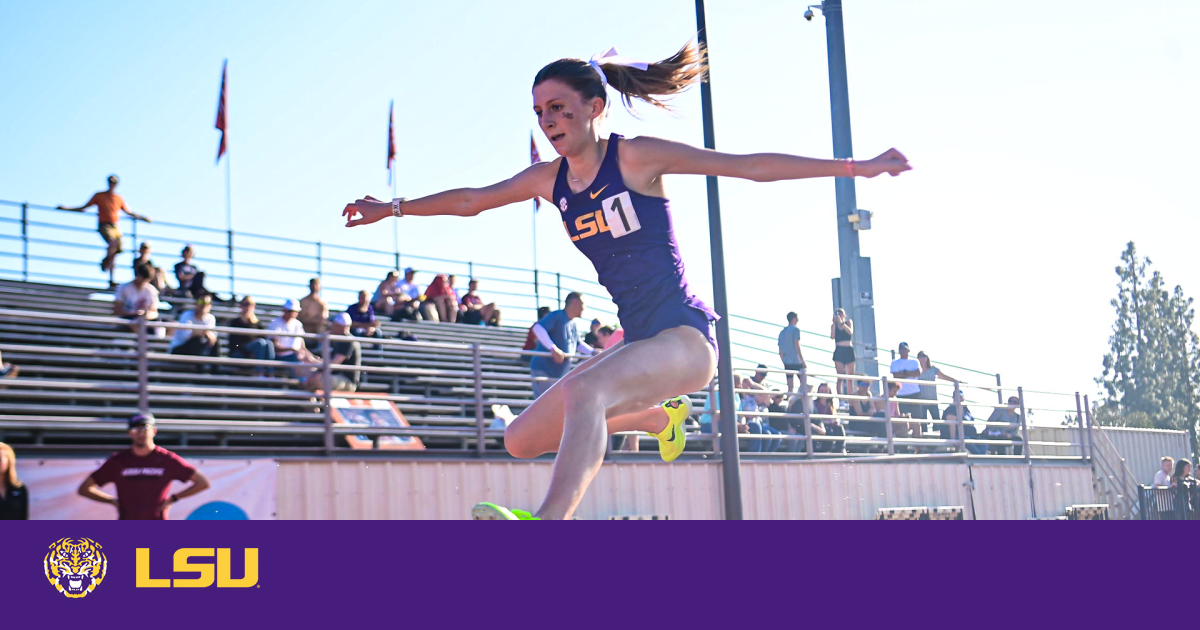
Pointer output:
107, 204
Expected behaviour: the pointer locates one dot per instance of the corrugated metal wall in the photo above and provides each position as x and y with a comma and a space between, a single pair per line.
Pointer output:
447, 490
845, 490
770, 490
1002, 490
1142, 449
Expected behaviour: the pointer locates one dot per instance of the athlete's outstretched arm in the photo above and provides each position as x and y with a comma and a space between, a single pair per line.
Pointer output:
666, 157
461, 202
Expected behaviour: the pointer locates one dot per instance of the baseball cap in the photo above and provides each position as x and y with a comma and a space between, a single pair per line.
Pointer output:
113, 179
340, 318
291, 305
408, 270
904, 345
139, 419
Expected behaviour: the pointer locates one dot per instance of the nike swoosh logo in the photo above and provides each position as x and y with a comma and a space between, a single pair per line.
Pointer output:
597, 193
672, 438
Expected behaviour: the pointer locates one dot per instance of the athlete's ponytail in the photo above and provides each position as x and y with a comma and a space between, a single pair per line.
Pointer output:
665, 78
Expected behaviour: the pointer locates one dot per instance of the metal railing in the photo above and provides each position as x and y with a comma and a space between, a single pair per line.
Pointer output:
43, 243
1163, 503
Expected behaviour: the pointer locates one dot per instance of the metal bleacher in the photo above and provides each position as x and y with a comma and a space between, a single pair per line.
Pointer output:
80, 380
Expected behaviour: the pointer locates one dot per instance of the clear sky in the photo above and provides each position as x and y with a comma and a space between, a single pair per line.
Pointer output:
1044, 136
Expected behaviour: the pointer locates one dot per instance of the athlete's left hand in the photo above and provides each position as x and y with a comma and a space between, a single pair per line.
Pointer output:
891, 162
370, 210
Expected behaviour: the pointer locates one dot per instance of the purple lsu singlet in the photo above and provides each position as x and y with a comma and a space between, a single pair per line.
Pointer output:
630, 240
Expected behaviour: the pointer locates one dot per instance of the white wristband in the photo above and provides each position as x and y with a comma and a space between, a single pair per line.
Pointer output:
396, 211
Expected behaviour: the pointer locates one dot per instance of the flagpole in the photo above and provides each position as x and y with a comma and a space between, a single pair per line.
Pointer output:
395, 224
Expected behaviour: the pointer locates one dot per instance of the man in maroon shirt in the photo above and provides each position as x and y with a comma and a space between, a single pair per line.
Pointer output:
143, 476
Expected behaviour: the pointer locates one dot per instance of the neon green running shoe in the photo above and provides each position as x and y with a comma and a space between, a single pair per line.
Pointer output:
492, 512
673, 438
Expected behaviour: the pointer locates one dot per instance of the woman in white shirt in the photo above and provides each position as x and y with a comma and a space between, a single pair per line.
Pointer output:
197, 341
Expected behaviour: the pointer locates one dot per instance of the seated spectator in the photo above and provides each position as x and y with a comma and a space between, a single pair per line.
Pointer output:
441, 296
890, 408
590, 338
314, 310
137, 299
823, 405
407, 298
288, 347
362, 316
340, 353
1012, 416
474, 311
1162, 478
458, 293
157, 277
712, 403
754, 403
949, 431
14, 496
8, 370
191, 279
604, 335
384, 299
199, 342
862, 408
760, 376
251, 346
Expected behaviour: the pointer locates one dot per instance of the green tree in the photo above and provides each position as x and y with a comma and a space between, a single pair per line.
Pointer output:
1151, 371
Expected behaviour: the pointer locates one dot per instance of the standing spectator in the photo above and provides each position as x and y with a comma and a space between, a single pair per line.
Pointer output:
1185, 489
407, 298
190, 278
348, 353
949, 430
929, 392
107, 204
789, 348
556, 333
842, 333
200, 342
288, 347
384, 299
157, 277
1012, 432
14, 496
137, 298
476, 312
441, 296
251, 346
907, 368
1162, 478
143, 476
362, 314
314, 310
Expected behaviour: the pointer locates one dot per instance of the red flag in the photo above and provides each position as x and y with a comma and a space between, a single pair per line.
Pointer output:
391, 143
534, 158
221, 112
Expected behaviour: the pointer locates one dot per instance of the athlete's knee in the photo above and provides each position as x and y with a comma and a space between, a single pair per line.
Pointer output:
519, 444
579, 390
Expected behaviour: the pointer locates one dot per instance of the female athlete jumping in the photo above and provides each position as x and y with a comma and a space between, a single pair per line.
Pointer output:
610, 193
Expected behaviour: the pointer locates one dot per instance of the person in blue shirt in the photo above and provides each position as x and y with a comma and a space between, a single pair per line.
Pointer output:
556, 334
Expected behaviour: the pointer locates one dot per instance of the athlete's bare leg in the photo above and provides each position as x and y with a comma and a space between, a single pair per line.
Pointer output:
539, 429
636, 376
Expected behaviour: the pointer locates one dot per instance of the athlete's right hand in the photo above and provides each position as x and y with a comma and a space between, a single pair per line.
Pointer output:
369, 210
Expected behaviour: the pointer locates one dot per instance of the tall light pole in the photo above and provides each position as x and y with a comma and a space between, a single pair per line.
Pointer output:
731, 476
853, 290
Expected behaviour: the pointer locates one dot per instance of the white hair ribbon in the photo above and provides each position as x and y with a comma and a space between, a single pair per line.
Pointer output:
612, 58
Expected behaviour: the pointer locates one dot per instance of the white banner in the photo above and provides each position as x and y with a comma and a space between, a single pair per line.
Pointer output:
241, 489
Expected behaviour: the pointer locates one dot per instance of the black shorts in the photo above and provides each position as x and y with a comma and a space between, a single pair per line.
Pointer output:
471, 317
844, 354
793, 366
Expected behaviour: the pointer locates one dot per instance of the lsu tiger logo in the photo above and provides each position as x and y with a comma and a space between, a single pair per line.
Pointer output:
75, 566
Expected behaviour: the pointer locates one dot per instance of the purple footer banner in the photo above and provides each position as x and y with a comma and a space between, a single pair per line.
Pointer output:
261, 574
